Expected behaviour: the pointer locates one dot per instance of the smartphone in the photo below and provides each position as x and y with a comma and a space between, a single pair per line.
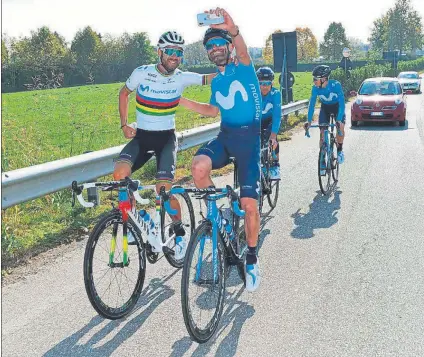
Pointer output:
205, 19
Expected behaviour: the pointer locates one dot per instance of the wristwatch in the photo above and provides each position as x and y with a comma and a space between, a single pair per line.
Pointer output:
238, 32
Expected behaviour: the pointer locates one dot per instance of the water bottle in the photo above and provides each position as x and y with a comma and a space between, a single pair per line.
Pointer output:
228, 228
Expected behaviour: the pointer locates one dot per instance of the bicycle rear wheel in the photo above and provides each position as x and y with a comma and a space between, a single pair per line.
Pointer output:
113, 290
188, 223
202, 296
325, 179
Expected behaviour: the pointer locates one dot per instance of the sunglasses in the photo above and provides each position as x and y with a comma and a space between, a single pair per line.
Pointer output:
217, 42
173, 51
265, 83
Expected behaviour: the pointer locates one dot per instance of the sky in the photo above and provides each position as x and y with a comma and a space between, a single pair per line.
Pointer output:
256, 19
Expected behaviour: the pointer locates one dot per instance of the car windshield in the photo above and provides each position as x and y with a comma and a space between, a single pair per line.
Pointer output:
381, 88
409, 75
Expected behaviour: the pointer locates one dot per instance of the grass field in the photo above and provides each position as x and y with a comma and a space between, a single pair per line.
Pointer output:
42, 126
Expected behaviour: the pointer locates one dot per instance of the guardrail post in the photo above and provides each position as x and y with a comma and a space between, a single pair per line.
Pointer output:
93, 192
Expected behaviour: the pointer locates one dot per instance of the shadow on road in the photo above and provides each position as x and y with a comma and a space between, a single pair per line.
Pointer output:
380, 126
236, 313
322, 214
152, 296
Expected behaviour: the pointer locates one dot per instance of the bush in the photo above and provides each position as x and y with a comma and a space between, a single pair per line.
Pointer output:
415, 65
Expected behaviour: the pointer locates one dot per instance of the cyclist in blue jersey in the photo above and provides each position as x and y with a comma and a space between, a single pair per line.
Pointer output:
271, 115
331, 95
236, 95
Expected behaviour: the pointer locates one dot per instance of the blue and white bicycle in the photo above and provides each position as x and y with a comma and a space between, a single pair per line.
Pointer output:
216, 244
328, 164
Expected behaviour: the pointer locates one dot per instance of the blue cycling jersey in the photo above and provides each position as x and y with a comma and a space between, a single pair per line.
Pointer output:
237, 95
331, 94
271, 109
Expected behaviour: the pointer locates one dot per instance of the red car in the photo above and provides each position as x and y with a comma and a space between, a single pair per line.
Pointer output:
379, 99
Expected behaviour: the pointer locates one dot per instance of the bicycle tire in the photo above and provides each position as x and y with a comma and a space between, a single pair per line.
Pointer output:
239, 243
324, 186
170, 257
334, 162
274, 188
202, 335
112, 218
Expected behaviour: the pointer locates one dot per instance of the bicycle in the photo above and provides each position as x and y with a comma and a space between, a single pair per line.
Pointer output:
214, 245
269, 188
118, 260
327, 154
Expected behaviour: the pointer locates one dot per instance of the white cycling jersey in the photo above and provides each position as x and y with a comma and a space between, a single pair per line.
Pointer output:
158, 95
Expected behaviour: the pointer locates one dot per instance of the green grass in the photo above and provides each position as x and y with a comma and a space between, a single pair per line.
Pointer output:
42, 126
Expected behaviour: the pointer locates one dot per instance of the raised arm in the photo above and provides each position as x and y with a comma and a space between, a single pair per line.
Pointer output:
205, 109
238, 41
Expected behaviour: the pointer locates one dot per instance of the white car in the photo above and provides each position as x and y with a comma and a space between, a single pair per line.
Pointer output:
410, 81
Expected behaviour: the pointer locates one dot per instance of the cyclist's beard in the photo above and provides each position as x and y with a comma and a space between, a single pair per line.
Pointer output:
169, 66
219, 58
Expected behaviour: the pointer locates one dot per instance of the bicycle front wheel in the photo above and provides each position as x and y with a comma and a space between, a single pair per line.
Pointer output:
323, 167
113, 287
203, 284
334, 162
168, 225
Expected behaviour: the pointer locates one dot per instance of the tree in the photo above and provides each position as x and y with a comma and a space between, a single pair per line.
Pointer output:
400, 29
334, 42
195, 54
87, 48
268, 53
358, 49
307, 45
4, 54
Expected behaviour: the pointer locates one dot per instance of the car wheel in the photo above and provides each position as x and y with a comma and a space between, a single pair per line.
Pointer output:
354, 123
402, 123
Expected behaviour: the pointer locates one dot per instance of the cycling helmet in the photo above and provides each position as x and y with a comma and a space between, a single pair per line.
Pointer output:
210, 32
321, 71
265, 74
171, 38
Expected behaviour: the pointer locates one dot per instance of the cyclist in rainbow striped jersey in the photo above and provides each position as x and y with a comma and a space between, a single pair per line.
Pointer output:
158, 90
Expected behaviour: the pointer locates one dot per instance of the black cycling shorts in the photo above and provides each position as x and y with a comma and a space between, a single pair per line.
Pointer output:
163, 143
326, 111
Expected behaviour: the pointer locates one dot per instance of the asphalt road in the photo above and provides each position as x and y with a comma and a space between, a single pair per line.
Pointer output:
342, 276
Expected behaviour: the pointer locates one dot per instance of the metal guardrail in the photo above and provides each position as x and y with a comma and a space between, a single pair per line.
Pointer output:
36, 181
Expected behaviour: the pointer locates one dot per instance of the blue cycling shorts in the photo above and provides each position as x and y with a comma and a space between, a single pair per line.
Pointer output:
245, 148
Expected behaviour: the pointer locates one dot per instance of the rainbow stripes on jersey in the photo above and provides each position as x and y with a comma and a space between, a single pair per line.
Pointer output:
155, 106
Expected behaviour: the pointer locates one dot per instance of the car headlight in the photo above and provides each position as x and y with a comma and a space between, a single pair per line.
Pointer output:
358, 101
398, 101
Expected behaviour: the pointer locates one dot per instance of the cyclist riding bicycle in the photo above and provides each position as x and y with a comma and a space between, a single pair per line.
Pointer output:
271, 115
159, 88
236, 95
331, 95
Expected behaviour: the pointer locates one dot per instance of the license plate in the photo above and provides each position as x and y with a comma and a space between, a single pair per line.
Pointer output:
377, 114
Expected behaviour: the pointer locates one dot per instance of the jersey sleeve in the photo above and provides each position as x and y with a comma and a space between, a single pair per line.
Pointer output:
312, 102
276, 111
191, 78
342, 105
135, 79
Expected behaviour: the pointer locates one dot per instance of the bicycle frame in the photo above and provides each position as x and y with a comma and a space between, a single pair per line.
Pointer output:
218, 228
152, 227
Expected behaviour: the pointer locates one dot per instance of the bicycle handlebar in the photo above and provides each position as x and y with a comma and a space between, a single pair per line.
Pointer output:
132, 185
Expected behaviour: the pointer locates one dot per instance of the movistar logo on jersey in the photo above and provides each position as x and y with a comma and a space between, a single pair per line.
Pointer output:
257, 102
227, 102
329, 98
267, 108
148, 89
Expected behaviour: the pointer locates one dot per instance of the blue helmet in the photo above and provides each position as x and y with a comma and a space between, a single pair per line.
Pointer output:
265, 74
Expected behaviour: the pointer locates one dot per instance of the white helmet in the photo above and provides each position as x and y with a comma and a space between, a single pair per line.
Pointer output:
171, 38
